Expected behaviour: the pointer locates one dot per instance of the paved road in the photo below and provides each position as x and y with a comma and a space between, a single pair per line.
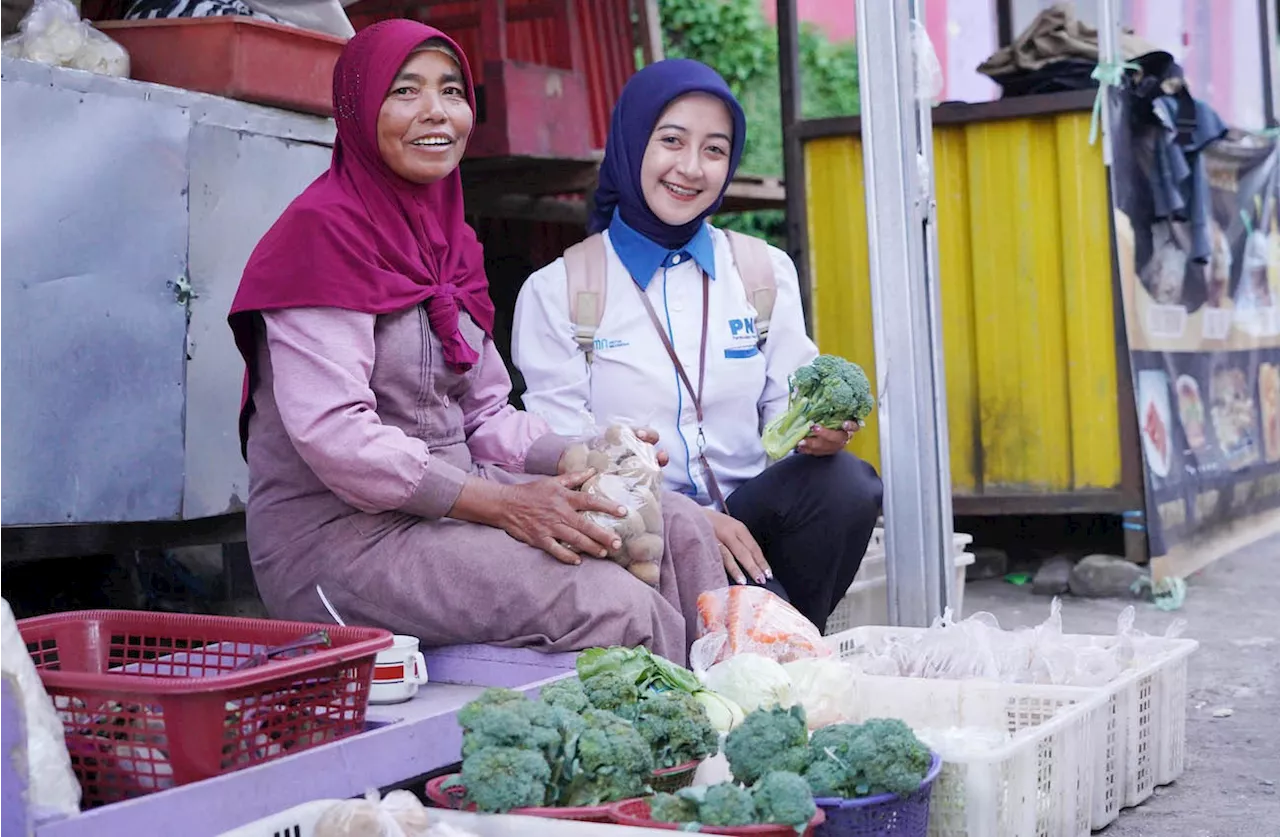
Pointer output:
1231, 787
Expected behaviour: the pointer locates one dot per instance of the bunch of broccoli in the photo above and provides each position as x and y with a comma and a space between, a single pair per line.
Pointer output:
520, 753
597, 740
675, 723
779, 798
828, 392
879, 756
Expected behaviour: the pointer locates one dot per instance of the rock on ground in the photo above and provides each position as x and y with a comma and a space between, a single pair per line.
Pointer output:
1105, 577
1054, 577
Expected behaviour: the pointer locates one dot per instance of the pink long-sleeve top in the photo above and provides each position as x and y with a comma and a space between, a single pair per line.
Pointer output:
322, 360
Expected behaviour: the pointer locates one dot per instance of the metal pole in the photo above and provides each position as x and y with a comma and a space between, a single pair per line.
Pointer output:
1270, 59
1108, 29
905, 307
793, 151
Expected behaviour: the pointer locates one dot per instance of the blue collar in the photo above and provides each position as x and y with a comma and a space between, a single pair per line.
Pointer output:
642, 257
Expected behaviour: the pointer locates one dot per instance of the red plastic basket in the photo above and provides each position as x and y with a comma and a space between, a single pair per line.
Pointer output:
151, 701
635, 812
452, 798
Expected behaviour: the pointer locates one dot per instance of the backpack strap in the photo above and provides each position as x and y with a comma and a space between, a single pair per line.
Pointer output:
586, 268
751, 257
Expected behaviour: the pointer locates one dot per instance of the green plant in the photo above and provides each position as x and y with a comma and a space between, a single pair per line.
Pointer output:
733, 37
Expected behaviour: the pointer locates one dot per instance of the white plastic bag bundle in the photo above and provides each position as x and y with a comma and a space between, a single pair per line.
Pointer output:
52, 787
399, 814
53, 33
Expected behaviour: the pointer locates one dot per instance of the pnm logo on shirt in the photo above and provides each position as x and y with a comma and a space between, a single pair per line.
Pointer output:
601, 344
743, 329
743, 333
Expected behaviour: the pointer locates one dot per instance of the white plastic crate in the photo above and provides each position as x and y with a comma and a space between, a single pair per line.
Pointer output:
298, 821
960, 540
867, 600
1140, 731
1039, 784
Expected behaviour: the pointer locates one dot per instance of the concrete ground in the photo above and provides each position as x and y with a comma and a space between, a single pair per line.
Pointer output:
1229, 788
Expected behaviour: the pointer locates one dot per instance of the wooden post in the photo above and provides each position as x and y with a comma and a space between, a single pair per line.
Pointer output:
493, 30
650, 31
793, 151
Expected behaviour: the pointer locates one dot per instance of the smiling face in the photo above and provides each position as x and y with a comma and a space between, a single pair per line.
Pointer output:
425, 118
686, 161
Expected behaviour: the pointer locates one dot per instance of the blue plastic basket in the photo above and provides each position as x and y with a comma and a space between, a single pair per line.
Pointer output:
886, 815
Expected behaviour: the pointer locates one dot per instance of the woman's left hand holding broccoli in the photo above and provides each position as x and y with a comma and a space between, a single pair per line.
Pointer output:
823, 441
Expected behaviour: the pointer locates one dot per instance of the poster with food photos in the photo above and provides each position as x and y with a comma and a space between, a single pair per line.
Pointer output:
1197, 238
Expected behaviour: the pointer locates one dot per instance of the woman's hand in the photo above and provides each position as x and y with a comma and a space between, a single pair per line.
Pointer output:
738, 549
548, 514
648, 434
823, 441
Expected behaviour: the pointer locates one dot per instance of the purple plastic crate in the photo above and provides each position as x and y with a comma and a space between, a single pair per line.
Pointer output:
887, 815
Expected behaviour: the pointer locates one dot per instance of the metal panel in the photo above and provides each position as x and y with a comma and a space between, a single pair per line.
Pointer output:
1027, 298
240, 183
94, 237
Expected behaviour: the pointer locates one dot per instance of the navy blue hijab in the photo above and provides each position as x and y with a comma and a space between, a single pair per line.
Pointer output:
644, 98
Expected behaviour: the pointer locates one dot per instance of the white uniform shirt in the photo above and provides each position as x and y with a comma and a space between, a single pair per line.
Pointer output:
632, 379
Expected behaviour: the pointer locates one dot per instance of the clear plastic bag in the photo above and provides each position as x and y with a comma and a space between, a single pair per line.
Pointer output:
399, 814
53, 33
929, 77
627, 473
978, 648
755, 621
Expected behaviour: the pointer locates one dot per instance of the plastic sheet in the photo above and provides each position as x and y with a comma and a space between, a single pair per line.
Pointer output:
52, 786
977, 648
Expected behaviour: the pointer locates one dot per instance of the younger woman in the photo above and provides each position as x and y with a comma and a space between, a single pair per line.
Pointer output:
678, 344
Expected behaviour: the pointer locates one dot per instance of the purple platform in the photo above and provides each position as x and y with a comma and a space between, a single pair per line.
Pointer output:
403, 741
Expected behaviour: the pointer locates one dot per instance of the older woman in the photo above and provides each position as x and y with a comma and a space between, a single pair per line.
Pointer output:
385, 462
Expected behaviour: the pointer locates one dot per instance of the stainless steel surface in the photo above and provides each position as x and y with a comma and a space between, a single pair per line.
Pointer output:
240, 183
94, 234
917, 500
107, 420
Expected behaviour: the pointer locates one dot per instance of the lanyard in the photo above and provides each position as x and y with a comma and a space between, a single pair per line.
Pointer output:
713, 487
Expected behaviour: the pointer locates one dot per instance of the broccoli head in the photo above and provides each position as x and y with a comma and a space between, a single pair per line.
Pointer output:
677, 727
612, 692
526, 725
767, 740
879, 756
498, 779
670, 807
723, 805
610, 761
783, 798
727, 804
487, 699
567, 693
827, 392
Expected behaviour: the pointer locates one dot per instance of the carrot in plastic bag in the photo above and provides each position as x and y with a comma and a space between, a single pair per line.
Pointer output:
755, 620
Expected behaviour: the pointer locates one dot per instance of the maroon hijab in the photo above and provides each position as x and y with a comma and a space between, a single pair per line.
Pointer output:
361, 237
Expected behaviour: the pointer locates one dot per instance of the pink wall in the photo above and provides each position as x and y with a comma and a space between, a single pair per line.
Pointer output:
963, 33
1216, 40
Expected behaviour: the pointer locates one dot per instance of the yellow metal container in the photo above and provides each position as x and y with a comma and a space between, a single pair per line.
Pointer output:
1028, 310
